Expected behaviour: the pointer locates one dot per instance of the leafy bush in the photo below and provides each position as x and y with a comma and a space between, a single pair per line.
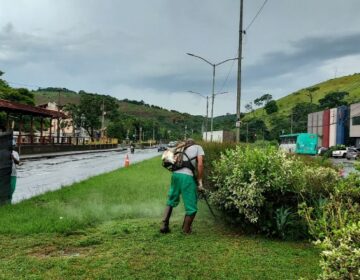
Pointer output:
212, 153
341, 256
265, 143
254, 186
335, 222
328, 215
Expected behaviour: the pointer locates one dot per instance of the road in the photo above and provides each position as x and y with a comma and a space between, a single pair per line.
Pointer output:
348, 165
48, 174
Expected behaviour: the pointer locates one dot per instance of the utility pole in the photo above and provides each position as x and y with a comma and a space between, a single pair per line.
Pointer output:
291, 123
153, 133
206, 120
212, 105
238, 97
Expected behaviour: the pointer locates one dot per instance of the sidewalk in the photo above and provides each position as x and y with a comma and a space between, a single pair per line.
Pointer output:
59, 154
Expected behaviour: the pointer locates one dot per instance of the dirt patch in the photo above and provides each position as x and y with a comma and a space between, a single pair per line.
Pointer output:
56, 252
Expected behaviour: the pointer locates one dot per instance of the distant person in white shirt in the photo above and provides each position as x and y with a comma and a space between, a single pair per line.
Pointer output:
15, 161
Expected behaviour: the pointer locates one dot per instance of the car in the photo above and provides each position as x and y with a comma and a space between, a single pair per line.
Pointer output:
172, 144
322, 151
340, 152
353, 153
162, 147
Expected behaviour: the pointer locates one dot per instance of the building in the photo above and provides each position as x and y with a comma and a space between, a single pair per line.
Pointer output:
355, 123
336, 126
219, 136
66, 125
315, 125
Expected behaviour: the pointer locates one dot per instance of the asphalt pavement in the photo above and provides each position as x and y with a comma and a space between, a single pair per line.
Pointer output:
37, 176
348, 165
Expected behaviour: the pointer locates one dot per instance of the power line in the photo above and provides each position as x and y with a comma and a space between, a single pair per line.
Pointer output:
257, 14
227, 76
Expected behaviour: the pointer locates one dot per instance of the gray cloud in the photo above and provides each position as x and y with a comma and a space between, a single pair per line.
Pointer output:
305, 54
137, 48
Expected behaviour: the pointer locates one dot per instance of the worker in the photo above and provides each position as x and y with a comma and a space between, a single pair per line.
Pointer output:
186, 181
15, 161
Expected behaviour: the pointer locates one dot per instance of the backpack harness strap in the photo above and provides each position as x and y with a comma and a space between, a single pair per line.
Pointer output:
188, 163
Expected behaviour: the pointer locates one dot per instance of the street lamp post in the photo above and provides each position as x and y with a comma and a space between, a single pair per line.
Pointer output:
82, 118
213, 86
207, 107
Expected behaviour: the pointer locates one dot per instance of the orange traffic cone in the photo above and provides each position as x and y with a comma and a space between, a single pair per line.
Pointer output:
127, 161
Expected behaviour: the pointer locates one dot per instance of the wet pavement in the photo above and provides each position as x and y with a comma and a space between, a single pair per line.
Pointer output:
48, 174
348, 165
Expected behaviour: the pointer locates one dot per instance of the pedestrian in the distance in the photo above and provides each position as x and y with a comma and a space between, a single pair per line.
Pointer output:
186, 181
15, 161
132, 147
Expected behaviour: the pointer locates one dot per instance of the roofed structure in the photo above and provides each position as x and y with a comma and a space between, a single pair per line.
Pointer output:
13, 107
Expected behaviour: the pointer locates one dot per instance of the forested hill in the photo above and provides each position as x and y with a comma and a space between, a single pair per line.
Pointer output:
312, 94
267, 118
131, 114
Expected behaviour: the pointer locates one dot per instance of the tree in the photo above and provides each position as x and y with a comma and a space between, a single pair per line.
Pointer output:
263, 100
19, 95
333, 99
88, 113
117, 130
299, 115
271, 107
310, 92
266, 98
255, 130
249, 107
280, 125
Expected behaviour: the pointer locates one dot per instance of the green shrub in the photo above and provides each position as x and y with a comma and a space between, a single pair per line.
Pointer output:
253, 186
341, 256
335, 222
212, 153
328, 215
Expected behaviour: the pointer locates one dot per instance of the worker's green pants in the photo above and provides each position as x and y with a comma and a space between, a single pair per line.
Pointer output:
186, 186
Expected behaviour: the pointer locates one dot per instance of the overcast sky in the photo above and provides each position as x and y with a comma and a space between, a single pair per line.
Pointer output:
136, 49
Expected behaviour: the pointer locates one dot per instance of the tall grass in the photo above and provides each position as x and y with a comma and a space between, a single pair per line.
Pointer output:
137, 191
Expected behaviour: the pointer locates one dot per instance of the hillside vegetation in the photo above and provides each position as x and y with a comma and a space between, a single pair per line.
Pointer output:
289, 113
350, 84
166, 124
128, 116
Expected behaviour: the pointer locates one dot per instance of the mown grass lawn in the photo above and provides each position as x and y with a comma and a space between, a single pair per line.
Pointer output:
107, 228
